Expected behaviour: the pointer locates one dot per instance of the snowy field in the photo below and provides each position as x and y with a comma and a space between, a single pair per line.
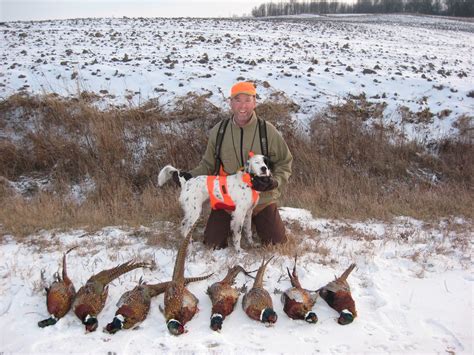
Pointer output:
412, 288
413, 283
415, 62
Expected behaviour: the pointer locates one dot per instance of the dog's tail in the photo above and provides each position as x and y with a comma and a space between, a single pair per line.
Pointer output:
165, 174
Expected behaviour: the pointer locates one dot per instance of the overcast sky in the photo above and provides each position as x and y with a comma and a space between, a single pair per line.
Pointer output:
13, 10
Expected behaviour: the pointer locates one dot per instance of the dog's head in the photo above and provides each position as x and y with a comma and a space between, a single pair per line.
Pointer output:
256, 165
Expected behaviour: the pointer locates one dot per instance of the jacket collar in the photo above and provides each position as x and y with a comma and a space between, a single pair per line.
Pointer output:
251, 122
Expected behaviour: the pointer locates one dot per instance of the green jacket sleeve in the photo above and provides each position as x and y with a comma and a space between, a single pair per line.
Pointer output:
207, 164
280, 156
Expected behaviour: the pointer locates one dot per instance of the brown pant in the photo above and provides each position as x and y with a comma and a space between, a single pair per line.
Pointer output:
268, 223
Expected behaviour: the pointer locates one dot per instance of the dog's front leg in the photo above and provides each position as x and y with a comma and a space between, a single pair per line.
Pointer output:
236, 225
191, 215
248, 227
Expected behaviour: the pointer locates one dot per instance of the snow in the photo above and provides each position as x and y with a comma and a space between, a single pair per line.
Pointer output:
412, 288
413, 282
419, 62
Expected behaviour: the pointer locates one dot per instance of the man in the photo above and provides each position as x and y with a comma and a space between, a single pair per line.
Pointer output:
241, 136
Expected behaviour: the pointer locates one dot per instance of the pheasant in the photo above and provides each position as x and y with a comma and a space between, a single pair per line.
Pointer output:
180, 303
298, 302
90, 299
337, 294
134, 305
257, 302
59, 295
223, 297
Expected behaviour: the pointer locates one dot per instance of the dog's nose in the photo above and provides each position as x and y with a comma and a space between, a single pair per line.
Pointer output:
264, 169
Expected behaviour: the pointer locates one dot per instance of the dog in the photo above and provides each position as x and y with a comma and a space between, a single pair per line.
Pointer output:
195, 191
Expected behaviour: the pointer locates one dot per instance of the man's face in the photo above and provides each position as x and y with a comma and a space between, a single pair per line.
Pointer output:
242, 107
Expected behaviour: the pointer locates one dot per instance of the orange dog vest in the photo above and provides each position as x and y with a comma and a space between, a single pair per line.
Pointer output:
226, 203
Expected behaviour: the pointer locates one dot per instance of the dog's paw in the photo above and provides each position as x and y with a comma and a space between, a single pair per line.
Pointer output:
250, 241
237, 247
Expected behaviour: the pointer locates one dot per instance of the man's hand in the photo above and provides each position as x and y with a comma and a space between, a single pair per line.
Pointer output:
264, 183
183, 174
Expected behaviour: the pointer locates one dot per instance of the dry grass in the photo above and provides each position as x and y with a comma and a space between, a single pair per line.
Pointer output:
341, 170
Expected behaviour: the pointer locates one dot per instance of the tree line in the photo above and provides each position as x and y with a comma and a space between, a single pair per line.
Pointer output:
459, 8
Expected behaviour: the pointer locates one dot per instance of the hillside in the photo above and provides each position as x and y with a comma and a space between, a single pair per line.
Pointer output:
413, 64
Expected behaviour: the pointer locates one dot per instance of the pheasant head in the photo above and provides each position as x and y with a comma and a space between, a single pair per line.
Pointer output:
91, 323
346, 317
216, 322
269, 316
175, 327
83, 312
311, 317
47, 322
115, 325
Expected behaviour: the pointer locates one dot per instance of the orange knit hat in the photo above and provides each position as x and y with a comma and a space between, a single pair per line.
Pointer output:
243, 87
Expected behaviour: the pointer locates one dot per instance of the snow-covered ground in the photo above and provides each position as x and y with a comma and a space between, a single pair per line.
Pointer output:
417, 62
412, 288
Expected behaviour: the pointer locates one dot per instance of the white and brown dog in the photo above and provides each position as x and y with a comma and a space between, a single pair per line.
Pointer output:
233, 192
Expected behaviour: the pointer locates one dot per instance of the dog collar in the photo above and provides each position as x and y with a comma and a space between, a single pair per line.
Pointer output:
247, 178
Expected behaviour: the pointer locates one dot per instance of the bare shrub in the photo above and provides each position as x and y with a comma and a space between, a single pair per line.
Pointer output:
347, 169
342, 168
465, 124
457, 161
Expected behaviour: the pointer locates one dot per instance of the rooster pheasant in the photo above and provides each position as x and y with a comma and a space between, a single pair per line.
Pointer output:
90, 299
298, 302
59, 295
223, 297
337, 294
180, 303
257, 302
134, 305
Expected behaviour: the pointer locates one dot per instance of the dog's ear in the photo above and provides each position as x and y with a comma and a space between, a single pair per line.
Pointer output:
266, 160
247, 167
268, 163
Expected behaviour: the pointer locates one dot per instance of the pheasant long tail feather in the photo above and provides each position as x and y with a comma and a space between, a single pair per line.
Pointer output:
294, 267
44, 282
232, 274
188, 280
259, 278
65, 277
293, 279
107, 276
157, 289
295, 282
346, 273
178, 272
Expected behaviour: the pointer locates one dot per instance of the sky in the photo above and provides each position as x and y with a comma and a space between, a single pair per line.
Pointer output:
26, 10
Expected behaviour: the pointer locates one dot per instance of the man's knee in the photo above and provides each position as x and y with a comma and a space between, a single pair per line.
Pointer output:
269, 225
217, 229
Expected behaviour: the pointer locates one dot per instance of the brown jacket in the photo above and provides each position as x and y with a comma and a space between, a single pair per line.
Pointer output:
237, 144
